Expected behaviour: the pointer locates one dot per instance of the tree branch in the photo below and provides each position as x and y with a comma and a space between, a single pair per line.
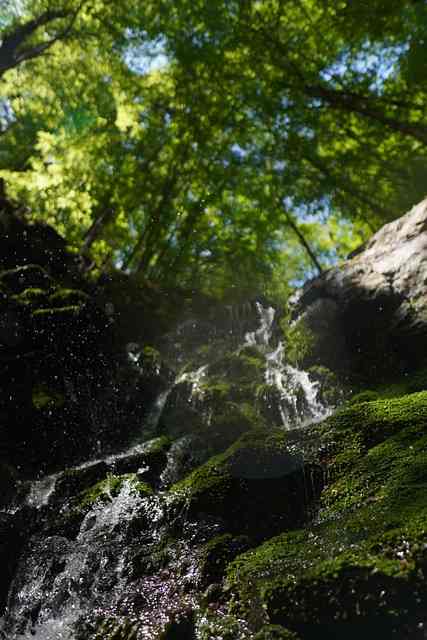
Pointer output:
13, 49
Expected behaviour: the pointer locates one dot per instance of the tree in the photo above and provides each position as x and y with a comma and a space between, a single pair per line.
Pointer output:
32, 37
205, 143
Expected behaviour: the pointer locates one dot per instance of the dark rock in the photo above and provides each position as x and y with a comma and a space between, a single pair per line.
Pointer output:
14, 529
73, 481
370, 314
37, 243
257, 487
26, 277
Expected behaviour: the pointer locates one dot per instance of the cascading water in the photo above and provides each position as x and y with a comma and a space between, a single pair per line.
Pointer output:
299, 402
94, 567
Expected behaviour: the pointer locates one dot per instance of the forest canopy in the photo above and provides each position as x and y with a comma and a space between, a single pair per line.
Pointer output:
214, 144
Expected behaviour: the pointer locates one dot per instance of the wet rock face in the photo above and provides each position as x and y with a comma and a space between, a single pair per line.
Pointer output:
371, 313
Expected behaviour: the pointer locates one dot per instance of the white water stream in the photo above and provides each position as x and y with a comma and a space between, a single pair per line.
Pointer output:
91, 572
299, 395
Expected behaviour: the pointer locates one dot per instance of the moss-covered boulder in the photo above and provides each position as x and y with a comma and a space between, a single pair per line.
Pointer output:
76, 501
30, 276
217, 554
359, 568
256, 487
37, 243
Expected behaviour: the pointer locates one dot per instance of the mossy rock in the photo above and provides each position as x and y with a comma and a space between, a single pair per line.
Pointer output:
67, 520
110, 487
180, 416
148, 461
43, 397
256, 486
33, 297
27, 277
364, 396
224, 626
359, 570
372, 422
218, 553
228, 423
63, 297
246, 365
74, 481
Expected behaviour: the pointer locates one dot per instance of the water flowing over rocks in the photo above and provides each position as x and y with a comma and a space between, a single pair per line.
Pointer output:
172, 475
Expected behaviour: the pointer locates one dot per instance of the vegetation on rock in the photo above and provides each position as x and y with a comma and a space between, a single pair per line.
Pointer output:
359, 566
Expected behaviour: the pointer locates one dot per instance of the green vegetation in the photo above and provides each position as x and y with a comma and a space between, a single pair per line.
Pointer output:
361, 562
257, 485
214, 146
43, 397
27, 277
67, 297
110, 487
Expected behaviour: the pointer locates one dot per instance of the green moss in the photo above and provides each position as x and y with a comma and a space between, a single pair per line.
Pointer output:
258, 442
157, 447
63, 297
372, 422
33, 296
57, 313
299, 340
226, 627
110, 487
364, 396
43, 397
111, 629
256, 485
216, 392
26, 277
218, 553
232, 419
360, 566
247, 365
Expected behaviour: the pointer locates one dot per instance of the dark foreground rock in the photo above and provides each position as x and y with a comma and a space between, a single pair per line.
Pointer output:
370, 314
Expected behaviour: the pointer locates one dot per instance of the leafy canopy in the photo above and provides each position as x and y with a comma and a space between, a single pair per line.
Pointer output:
235, 143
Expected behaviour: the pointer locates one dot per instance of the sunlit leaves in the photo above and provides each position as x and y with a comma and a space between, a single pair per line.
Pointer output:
249, 138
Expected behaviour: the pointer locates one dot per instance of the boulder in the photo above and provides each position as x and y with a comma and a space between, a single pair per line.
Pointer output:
369, 315
256, 487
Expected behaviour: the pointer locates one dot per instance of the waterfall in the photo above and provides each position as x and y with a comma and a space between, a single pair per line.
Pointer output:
299, 395
296, 396
92, 567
